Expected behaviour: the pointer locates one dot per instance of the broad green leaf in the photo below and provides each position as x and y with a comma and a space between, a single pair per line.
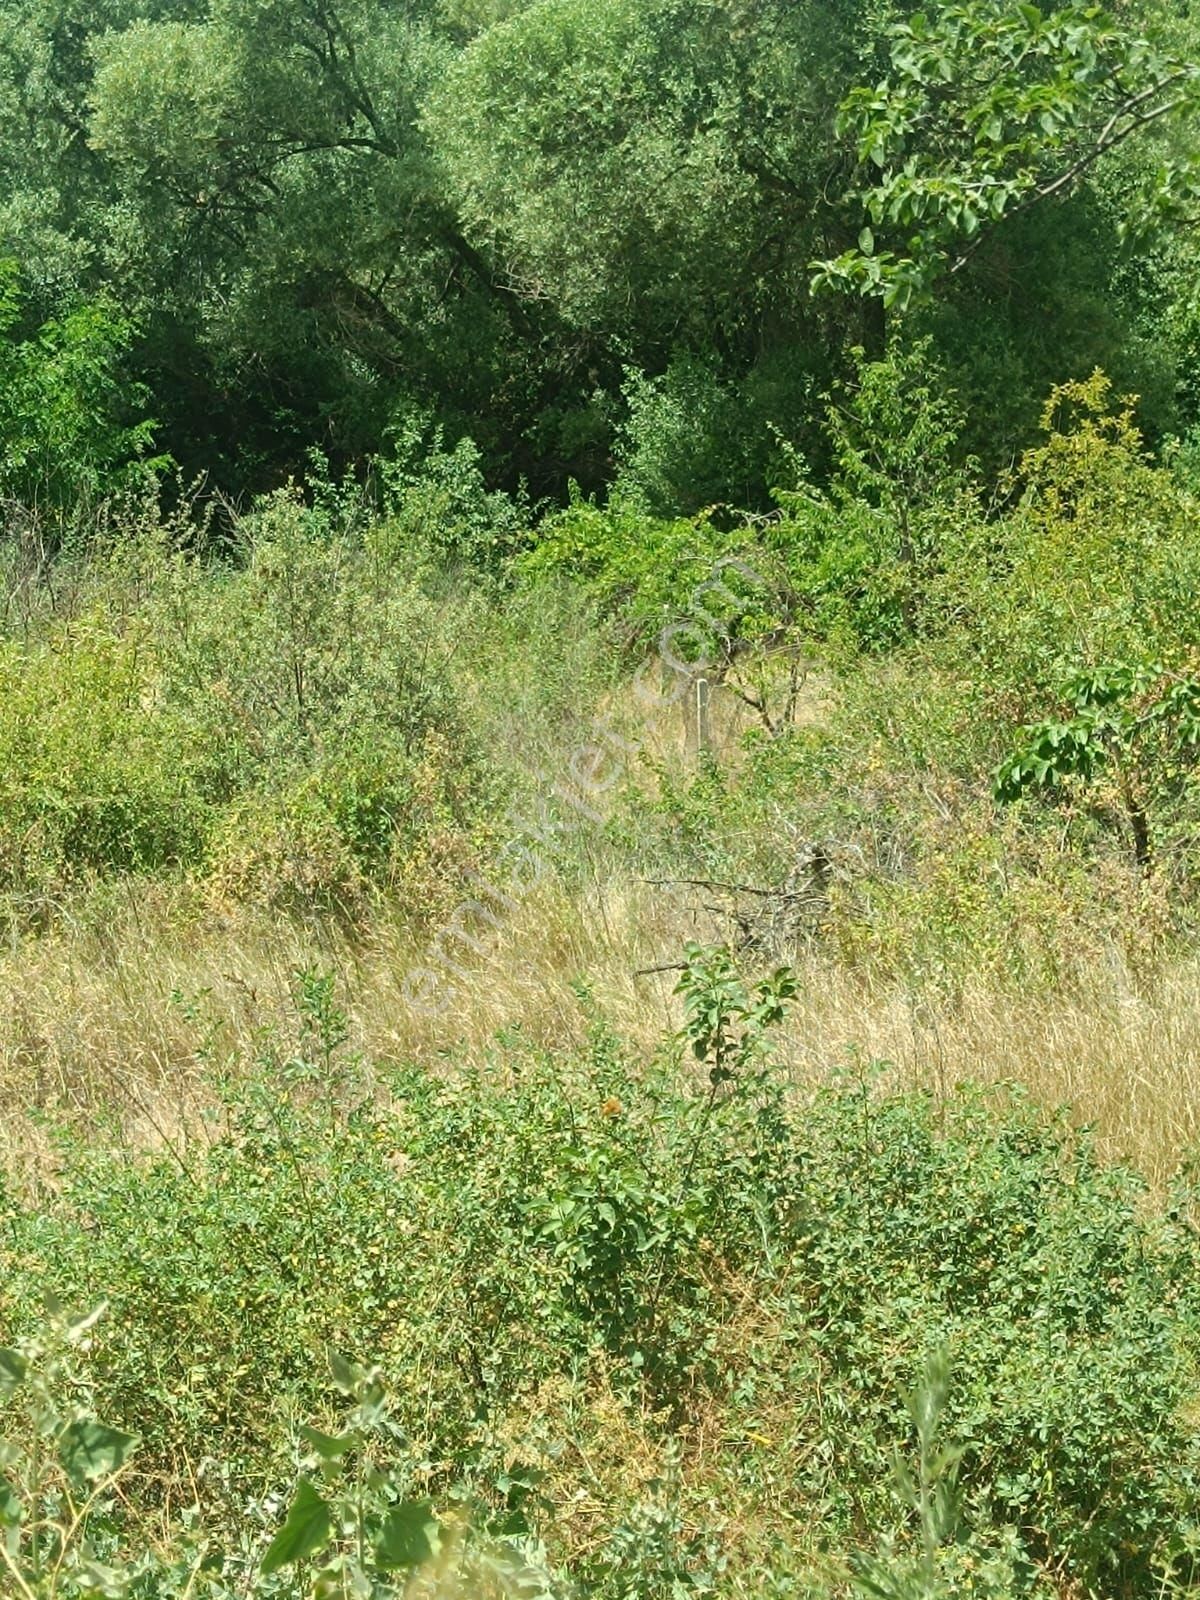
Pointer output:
10, 1505
89, 1450
328, 1446
100, 1582
866, 242
410, 1536
305, 1530
344, 1375
13, 1368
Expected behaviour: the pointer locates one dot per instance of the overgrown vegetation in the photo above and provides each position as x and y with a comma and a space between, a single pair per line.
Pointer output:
576, 1272
599, 800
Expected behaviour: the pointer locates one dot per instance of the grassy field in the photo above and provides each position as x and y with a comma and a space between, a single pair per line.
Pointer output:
128, 1013
538, 1126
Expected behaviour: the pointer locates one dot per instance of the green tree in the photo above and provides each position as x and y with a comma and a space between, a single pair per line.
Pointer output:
70, 424
989, 109
661, 175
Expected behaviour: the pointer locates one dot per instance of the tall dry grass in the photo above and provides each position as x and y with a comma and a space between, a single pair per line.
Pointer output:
126, 1018
117, 1019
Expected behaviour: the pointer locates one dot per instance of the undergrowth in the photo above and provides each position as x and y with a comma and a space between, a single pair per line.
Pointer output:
542, 1299
565, 1267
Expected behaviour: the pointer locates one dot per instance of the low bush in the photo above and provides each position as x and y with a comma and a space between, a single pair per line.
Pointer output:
866, 550
1094, 560
639, 567
435, 501
691, 1252
688, 440
98, 774
286, 729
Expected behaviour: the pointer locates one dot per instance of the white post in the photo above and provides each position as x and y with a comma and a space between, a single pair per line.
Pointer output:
702, 734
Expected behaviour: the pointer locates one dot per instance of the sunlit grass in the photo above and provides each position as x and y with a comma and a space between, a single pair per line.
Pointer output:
135, 1012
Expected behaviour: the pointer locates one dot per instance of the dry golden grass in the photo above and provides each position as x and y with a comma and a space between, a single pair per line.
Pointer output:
127, 1009
131, 1013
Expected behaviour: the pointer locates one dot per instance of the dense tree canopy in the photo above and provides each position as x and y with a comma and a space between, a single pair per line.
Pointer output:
595, 235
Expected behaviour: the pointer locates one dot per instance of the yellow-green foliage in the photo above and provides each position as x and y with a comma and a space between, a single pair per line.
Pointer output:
1097, 560
97, 772
285, 728
641, 566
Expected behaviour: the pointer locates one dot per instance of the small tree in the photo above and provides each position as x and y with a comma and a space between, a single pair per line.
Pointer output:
1141, 723
70, 431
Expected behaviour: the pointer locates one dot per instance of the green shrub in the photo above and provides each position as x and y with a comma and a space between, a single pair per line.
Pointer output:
999, 1235
99, 774
1137, 727
58, 1469
637, 566
72, 432
686, 590
287, 730
1097, 561
507, 1235
687, 442
865, 551
436, 501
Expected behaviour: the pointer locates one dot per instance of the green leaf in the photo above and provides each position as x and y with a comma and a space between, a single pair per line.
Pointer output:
100, 1582
76, 1327
410, 1536
345, 1376
306, 1528
866, 242
89, 1450
13, 1367
328, 1446
10, 1505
